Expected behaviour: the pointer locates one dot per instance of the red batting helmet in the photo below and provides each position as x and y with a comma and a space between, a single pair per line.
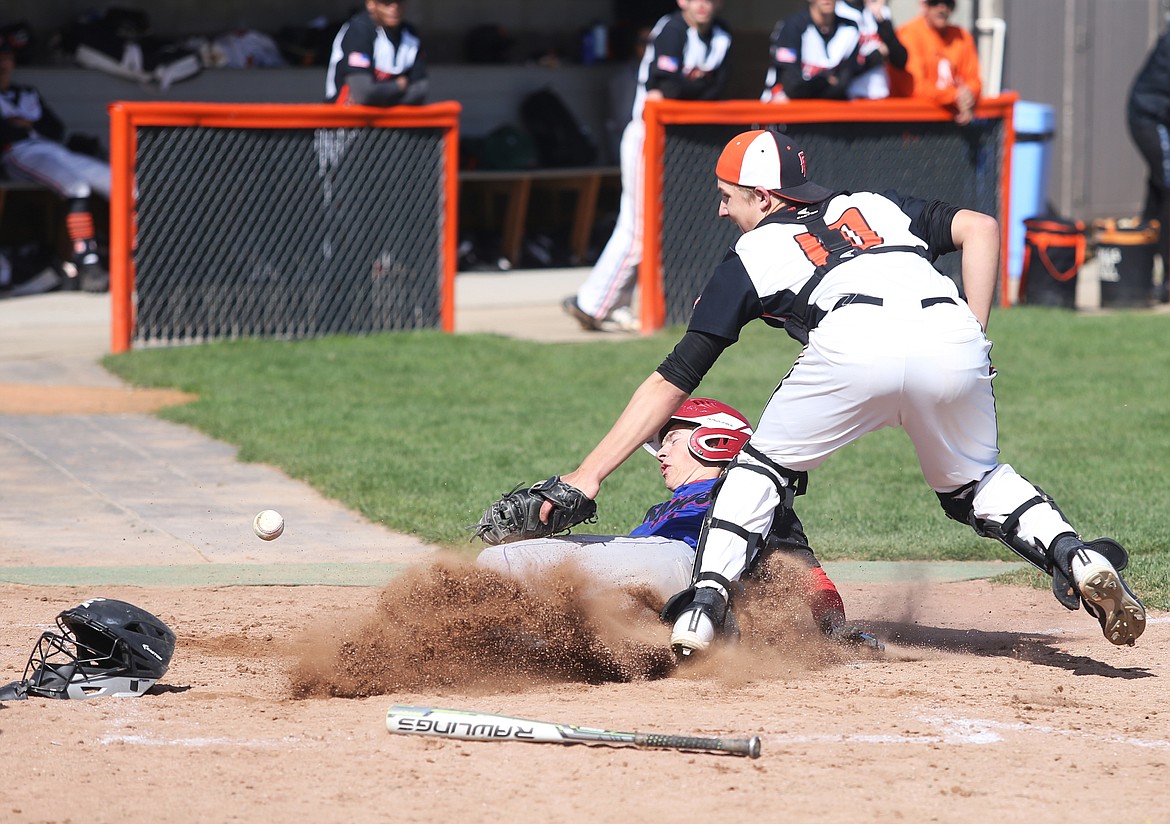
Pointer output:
720, 430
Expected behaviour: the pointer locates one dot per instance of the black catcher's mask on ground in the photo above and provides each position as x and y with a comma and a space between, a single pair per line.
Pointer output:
105, 647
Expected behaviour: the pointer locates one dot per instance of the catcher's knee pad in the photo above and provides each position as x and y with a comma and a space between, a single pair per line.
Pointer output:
959, 506
750, 477
786, 537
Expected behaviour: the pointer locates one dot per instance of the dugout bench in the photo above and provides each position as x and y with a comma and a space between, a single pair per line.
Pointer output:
480, 189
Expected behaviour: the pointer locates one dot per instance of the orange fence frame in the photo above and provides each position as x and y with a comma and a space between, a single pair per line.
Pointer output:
126, 117
658, 114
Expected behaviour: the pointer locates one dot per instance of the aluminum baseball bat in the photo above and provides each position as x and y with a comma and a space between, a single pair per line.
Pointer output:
484, 726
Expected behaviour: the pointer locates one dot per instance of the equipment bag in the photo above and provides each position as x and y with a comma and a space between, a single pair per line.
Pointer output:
1054, 251
1125, 251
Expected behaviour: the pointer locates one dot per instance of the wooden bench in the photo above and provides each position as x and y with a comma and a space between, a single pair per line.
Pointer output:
584, 181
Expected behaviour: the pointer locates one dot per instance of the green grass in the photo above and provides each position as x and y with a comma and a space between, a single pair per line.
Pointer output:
420, 431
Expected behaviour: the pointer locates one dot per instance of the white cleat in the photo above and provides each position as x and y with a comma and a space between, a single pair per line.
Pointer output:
1105, 595
693, 633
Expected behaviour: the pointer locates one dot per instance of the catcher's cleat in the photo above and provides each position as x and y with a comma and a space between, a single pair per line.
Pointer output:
1107, 597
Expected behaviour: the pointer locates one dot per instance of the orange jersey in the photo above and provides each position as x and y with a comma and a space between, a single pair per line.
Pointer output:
938, 63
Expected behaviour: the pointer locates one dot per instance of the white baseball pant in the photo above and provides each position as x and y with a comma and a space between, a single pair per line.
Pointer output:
614, 276
70, 174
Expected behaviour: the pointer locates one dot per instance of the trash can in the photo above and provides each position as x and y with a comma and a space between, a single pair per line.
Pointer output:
1125, 251
1054, 251
1033, 123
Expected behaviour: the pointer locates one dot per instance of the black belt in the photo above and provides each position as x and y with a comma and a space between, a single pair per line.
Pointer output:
872, 301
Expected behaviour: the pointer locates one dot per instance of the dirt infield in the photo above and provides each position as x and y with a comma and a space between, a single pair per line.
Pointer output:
990, 704
33, 399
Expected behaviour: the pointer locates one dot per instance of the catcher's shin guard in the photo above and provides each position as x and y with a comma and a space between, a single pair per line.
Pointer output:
958, 506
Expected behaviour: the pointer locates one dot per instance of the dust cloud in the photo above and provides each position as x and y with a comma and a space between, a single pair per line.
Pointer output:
452, 625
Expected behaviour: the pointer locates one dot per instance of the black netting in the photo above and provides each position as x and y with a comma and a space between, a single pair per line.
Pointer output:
930, 160
286, 233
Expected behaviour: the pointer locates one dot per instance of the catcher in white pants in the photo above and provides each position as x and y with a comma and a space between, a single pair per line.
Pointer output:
888, 342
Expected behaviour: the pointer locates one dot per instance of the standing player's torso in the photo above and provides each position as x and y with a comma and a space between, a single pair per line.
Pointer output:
816, 52
676, 47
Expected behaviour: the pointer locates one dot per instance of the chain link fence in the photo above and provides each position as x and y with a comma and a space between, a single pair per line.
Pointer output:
286, 233
927, 159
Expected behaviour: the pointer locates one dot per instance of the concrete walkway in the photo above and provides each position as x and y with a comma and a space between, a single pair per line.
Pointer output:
128, 498
89, 499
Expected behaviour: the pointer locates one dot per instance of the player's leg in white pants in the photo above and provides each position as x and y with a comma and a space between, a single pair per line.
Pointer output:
70, 174
611, 282
948, 410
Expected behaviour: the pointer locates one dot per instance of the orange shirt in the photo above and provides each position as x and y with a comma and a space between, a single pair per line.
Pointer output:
938, 62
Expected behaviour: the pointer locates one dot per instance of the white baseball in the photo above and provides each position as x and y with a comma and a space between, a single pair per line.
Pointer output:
268, 525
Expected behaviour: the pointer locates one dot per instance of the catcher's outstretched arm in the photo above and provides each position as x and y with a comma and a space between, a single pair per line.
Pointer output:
977, 235
647, 412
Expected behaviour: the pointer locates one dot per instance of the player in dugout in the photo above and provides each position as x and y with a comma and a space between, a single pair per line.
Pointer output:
693, 449
888, 341
377, 59
31, 149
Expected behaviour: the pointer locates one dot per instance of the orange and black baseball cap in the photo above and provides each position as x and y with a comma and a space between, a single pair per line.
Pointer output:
772, 161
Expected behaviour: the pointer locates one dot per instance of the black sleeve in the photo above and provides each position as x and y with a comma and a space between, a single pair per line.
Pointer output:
930, 220
691, 359
898, 55
358, 40
668, 44
728, 302
845, 71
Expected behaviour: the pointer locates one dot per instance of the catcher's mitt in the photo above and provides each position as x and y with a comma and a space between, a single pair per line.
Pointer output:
516, 516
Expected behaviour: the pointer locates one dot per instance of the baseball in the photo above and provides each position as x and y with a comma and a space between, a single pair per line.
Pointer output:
268, 525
